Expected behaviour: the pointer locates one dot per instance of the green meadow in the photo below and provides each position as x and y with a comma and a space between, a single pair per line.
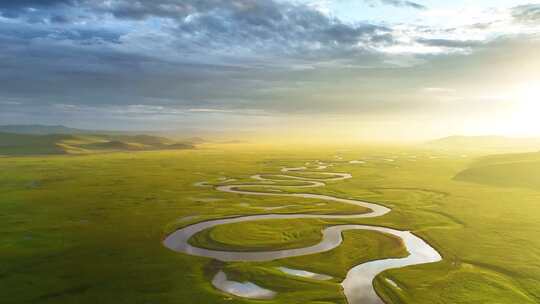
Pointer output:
88, 228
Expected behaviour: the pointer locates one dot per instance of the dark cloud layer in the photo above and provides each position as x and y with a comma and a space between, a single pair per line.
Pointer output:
32, 3
238, 55
186, 53
254, 25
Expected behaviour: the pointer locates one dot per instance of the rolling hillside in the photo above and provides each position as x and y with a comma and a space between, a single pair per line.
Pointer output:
28, 144
507, 170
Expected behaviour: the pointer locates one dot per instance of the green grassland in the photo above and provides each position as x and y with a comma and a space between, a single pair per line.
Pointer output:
88, 228
17, 144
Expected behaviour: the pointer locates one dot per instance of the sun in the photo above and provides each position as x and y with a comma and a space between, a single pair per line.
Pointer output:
526, 110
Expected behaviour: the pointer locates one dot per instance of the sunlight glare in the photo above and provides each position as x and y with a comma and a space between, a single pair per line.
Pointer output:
525, 120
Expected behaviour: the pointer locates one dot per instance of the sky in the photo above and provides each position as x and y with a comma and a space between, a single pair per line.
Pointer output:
389, 69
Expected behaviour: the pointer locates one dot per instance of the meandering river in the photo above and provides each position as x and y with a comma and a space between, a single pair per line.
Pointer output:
358, 284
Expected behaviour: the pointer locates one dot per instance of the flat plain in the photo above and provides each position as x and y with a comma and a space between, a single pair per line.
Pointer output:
89, 228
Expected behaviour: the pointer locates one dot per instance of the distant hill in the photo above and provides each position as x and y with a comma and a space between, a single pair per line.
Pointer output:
485, 144
149, 140
506, 170
113, 145
189, 136
30, 144
196, 140
180, 146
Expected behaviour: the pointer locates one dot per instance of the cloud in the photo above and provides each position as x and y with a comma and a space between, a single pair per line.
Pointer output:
215, 57
12, 4
223, 28
32, 10
529, 13
438, 90
401, 3
254, 27
451, 43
